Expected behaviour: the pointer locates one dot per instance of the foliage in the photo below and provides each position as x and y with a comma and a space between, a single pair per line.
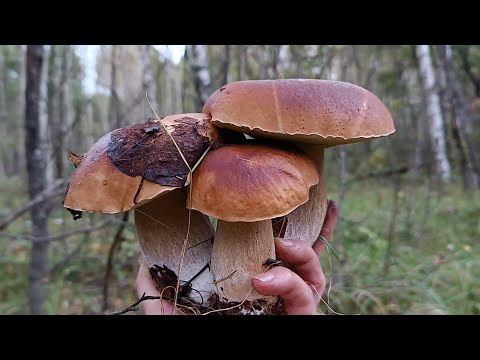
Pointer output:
439, 278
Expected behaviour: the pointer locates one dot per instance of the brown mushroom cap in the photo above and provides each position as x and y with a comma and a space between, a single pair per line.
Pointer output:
252, 182
302, 110
98, 186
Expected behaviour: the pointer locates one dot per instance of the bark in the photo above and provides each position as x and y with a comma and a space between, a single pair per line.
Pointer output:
64, 120
36, 146
297, 60
415, 163
226, 64
185, 78
114, 108
474, 78
148, 82
242, 61
197, 55
89, 124
274, 73
18, 155
389, 254
3, 115
262, 58
460, 117
434, 113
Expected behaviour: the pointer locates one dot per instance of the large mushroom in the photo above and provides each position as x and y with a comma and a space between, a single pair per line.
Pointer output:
139, 168
244, 187
314, 114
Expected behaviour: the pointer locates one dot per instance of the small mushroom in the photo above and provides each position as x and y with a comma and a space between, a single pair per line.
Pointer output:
244, 187
314, 114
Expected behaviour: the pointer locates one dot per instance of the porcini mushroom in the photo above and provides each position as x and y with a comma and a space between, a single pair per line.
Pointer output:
139, 167
314, 114
244, 187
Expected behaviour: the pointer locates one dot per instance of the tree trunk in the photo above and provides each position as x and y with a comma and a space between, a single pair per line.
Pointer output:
415, 165
114, 110
226, 65
36, 148
274, 73
89, 124
474, 78
460, 116
18, 155
296, 54
185, 77
242, 61
434, 113
197, 56
3, 115
64, 120
148, 82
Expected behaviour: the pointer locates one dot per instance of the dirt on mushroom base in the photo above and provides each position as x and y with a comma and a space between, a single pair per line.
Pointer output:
214, 305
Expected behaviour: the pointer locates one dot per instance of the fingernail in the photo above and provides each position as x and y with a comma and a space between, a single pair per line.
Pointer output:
264, 277
286, 243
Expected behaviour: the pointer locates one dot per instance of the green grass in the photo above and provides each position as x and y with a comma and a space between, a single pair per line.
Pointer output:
439, 277
436, 274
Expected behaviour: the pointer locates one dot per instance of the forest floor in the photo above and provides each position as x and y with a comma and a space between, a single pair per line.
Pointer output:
429, 265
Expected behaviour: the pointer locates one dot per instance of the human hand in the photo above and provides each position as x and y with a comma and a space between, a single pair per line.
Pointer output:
300, 288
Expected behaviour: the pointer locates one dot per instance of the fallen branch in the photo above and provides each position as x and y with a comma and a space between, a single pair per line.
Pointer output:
116, 242
56, 189
134, 307
61, 236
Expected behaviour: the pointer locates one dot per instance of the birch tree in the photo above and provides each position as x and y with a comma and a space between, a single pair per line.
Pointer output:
434, 112
460, 117
197, 56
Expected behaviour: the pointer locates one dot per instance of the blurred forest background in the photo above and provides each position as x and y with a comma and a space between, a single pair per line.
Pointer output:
410, 209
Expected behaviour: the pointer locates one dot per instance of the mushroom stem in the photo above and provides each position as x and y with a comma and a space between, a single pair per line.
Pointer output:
306, 221
239, 252
161, 227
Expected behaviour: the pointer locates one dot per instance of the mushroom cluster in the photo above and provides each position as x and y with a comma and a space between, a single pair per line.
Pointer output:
243, 184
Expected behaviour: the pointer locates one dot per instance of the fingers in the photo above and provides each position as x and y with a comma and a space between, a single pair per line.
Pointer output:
145, 284
304, 262
295, 293
328, 227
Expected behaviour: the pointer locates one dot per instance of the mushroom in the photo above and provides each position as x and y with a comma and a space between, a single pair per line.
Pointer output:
161, 227
314, 114
138, 167
245, 186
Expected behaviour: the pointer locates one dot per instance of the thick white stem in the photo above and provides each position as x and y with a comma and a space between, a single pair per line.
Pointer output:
238, 254
161, 227
306, 221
